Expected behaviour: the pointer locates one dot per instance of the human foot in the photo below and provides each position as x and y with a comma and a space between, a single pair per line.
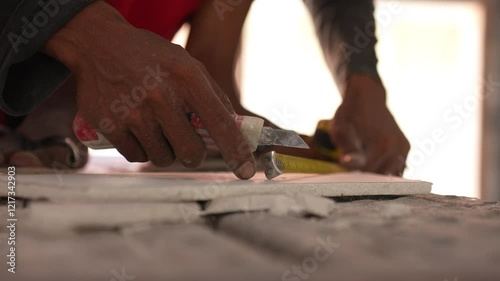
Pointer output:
46, 136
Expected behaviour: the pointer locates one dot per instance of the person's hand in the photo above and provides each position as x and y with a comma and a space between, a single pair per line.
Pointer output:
138, 88
364, 130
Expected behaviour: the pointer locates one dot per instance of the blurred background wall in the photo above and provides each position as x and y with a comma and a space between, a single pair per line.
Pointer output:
431, 61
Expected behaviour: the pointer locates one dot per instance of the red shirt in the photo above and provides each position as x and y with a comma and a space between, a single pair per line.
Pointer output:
163, 17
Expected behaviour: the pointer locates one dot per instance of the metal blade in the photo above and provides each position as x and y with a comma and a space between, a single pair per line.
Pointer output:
280, 137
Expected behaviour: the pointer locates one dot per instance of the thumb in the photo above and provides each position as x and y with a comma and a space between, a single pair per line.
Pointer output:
349, 144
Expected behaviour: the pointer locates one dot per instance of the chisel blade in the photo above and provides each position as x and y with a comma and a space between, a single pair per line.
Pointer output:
280, 137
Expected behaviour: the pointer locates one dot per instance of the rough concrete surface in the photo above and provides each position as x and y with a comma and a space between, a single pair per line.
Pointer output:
419, 237
79, 229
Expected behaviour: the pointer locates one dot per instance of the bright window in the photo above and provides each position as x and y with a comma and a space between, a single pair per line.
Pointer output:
430, 57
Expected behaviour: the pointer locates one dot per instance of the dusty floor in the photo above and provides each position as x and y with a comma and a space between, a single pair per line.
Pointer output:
416, 237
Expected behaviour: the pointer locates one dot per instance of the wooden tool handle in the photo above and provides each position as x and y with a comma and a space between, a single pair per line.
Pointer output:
250, 127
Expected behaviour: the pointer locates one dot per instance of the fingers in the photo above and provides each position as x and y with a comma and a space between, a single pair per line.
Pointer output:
157, 148
127, 145
393, 150
50, 157
223, 129
395, 162
394, 167
25, 159
157, 127
352, 154
387, 157
382, 156
175, 126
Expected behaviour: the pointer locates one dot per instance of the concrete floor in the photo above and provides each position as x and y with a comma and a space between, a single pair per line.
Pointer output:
414, 237
425, 237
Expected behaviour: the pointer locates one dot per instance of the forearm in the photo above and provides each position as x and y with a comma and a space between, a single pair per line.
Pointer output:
346, 31
28, 77
220, 50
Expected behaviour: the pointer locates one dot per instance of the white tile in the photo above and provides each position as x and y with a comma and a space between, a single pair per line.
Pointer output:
161, 187
59, 218
301, 204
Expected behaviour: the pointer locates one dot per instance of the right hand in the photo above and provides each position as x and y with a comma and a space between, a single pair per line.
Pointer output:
137, 88
364, 130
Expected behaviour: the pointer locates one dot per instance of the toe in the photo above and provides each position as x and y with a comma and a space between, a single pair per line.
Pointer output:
25, 159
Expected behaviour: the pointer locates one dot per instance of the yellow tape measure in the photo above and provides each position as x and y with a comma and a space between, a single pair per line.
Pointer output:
276, 164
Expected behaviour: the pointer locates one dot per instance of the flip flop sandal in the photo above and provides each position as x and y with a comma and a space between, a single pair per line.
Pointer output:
74, 159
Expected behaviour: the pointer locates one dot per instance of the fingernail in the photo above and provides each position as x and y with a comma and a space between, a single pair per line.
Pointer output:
245, 171
354, 160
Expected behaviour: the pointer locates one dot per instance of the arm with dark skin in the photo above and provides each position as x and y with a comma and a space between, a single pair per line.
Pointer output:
216, 43
363, 128
113, 62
